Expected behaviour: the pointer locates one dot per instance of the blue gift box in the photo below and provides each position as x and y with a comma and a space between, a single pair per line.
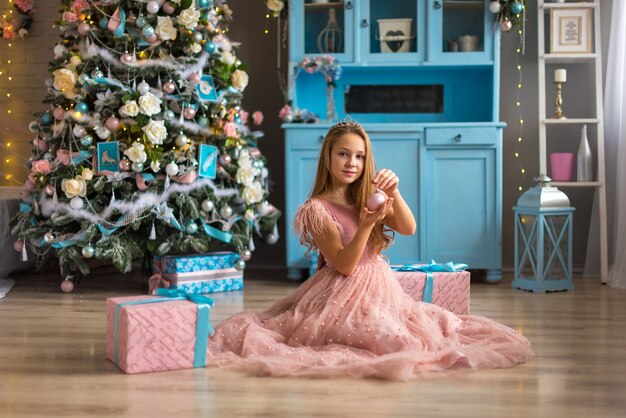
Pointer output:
202, 273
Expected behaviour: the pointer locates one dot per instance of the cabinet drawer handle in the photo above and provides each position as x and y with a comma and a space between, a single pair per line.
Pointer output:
364, 23
457, 138
437, 4
349, 5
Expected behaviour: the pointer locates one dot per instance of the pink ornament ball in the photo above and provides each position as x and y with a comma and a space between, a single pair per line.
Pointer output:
126, 58
506, 25
84, 28
168, 8
124, 165
18, 245
58, 113
113, 123
49, 189
41, 144
67, 286
376, 200
152, 39
189, 113
169, 87
194, 78
29, 186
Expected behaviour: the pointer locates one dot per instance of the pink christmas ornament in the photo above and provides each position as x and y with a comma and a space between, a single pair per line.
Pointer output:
67, 286
506, 25
189, 113
58, 113
169, 87
152, 39
125, 165
376, 200
126, 58
49, 189
18, 245
113, 123
40, 144
168, 8
84, 28
29, 186
194, 77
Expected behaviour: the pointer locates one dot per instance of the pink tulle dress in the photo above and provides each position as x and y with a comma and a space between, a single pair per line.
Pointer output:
358, 325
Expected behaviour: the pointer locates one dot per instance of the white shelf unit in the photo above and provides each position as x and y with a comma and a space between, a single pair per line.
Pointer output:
543, 10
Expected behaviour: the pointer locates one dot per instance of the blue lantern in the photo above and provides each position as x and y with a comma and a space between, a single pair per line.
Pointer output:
543, 239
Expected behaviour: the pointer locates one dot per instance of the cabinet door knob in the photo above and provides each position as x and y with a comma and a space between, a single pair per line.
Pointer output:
364, 23
457, 138
437, 4
349, 5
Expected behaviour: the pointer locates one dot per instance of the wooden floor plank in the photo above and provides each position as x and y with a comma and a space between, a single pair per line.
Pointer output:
52, 361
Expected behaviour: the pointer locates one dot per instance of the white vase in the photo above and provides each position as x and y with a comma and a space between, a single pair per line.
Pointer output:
584, 161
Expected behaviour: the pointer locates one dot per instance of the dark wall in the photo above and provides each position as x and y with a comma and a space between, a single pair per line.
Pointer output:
259, 52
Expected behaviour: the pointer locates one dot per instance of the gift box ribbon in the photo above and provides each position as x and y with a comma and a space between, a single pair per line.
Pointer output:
429, 269
203, 324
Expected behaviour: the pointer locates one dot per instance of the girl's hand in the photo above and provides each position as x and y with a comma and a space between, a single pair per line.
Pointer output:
368, 217
387, 181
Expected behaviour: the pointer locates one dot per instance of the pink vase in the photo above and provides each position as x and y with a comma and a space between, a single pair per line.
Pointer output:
562, 166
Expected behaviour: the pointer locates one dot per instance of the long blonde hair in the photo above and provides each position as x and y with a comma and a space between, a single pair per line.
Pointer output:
358, 191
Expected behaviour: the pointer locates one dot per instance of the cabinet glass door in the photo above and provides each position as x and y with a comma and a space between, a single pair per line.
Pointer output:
390, 31
326, 27
460, 31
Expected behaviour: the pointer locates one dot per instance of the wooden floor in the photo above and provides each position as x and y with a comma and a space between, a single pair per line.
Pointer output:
52, 362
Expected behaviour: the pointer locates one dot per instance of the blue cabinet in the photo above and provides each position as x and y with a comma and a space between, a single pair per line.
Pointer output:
422, 77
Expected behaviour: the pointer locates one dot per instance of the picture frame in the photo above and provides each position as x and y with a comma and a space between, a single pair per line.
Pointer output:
571, 31
108, 156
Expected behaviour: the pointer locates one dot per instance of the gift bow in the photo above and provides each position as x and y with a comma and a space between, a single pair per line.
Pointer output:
203, 324
155, 282
429, 269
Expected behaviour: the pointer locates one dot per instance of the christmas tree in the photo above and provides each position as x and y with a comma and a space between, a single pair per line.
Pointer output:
145, 149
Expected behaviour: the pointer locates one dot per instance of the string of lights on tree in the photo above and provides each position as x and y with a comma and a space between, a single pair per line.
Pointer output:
512, 14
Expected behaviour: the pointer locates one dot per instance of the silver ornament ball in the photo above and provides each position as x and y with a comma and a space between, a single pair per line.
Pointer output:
240, 265
143, 87
271, 238
197, 37
88, 251
246, 255
137, 167
181, 140
48, 237
76, 203
169, 115
226, 211
207, 205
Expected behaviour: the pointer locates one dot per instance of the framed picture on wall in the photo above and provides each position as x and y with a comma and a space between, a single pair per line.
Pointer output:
570, 31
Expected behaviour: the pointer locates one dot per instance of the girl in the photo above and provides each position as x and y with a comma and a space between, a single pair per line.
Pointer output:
352, 317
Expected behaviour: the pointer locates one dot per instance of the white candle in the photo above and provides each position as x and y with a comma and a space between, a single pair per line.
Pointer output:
560, 75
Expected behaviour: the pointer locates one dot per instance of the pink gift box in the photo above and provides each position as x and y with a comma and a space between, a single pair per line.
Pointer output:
152, 337
451, 290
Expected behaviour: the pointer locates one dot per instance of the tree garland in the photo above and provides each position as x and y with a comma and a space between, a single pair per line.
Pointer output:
17, 26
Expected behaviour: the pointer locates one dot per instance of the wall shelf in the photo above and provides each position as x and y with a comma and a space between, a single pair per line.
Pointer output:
573, 59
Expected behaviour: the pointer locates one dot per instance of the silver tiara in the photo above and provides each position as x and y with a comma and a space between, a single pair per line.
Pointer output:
347, 121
